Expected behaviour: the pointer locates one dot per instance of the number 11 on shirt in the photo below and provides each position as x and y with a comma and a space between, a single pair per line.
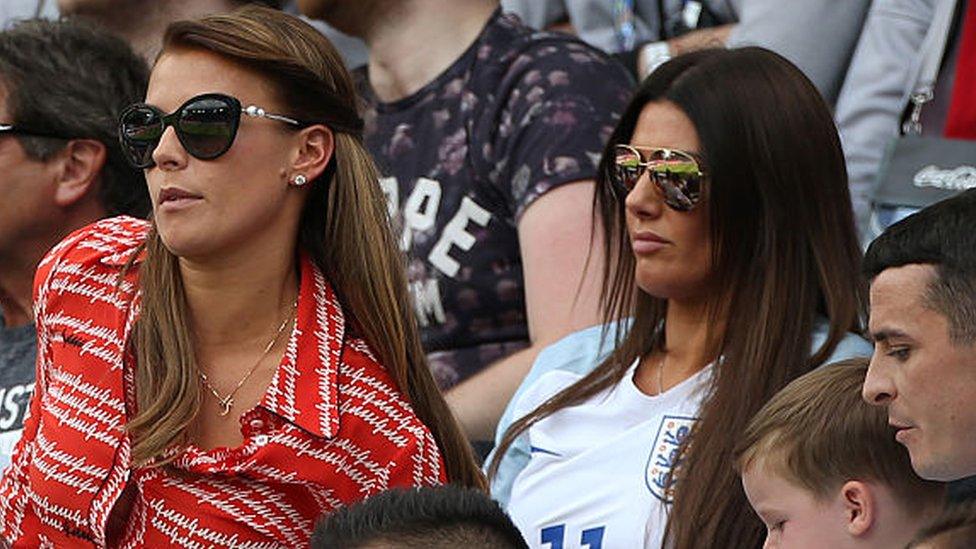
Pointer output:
555, 535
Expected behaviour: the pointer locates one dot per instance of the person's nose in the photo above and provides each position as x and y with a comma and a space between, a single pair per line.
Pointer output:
644, 200
878, 388
169, 153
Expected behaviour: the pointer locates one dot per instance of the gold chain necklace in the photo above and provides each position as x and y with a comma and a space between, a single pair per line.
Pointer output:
227, 402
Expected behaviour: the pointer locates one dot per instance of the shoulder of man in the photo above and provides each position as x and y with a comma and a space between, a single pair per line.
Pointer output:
545, 104
106, 245
519, 50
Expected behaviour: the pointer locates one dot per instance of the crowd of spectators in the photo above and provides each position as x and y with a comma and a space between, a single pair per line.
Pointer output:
488, 273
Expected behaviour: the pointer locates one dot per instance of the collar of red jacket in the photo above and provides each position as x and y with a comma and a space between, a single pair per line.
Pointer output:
304, 388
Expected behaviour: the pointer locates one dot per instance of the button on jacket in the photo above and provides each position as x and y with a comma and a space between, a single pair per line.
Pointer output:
331, 429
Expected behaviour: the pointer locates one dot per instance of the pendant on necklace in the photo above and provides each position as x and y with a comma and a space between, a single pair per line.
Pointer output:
225, 404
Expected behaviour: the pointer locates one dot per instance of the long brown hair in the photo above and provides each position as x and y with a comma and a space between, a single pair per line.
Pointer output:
783, 245
344, 227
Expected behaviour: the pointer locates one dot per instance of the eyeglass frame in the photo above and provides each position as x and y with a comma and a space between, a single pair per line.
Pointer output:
13, 129
167, 120
695, 158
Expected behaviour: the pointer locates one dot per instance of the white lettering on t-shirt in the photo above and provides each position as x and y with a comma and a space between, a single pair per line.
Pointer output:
419, 214
420, 210
392, 193
13, 411
455, 234
427, 301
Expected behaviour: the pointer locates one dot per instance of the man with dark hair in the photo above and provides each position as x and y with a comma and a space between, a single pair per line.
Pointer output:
489, 134
923, 322
445, 517
62, 85
142, 23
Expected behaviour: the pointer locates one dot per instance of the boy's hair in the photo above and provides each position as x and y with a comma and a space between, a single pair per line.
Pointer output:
819, 433
441, 517
955, 528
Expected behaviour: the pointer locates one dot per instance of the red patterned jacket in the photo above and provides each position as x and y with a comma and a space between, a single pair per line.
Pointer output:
331, 429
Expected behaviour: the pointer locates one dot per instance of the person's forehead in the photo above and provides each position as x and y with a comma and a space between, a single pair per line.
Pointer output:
901, 286
663, 124
898, 302
768, 469
184, 73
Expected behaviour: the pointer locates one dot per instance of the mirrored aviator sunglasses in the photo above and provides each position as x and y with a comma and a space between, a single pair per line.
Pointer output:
676, 174
206, 126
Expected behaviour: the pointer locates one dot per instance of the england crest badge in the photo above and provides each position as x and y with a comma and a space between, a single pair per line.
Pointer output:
664, 455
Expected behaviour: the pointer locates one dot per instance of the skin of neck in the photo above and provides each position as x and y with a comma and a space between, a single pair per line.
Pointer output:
406, 56
18, 264
691, 336
895, 524
240, 297
15, 292
142, 24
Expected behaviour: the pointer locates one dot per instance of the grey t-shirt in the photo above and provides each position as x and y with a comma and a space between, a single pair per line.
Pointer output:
17, 352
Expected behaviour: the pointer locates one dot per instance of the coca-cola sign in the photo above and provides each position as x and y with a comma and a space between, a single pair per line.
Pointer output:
955, 179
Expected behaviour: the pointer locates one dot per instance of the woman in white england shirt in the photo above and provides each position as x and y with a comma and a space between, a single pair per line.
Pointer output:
724, 200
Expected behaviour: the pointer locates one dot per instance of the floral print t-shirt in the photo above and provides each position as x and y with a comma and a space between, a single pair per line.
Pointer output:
520, 113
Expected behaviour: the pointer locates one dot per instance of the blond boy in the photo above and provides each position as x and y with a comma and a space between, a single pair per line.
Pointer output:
821, 468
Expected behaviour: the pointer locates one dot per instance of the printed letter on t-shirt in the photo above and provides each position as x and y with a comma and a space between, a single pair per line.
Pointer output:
455, 234
427, 301
392, 193
420, 210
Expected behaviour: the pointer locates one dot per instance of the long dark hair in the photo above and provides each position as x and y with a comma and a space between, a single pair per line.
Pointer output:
344, 227
784, 247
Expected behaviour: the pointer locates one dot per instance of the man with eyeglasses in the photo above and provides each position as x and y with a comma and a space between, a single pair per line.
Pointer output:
61, 168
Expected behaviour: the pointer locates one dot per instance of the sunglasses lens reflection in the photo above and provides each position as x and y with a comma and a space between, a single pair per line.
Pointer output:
627, 167
676, 174
679, 180
207, 126
674, 189
141, 128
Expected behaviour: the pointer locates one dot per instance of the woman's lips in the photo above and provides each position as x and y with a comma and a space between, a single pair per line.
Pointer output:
175, 198
646, 242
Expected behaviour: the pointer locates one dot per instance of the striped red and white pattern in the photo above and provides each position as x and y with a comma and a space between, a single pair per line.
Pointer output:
331, 429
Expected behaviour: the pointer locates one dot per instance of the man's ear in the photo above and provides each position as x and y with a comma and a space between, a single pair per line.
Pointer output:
316, 147
80, 163
860, 507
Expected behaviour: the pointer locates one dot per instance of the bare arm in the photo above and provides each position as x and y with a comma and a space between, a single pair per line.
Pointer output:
554, 235
818, 36
712, 37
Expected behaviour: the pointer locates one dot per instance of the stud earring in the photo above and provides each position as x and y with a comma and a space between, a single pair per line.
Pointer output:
299, 180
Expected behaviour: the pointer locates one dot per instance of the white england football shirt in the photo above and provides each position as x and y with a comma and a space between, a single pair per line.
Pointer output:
597, 474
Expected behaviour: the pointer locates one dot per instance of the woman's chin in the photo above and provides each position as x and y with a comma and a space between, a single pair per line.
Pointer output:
197, 244
658, 285
663, 288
